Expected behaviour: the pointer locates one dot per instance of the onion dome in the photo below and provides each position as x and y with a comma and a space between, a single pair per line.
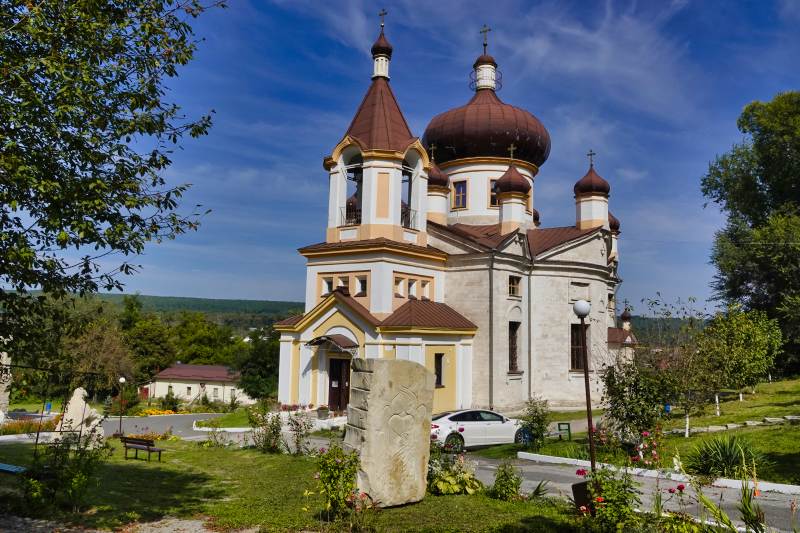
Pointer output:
484, 59
382, 46
592, 183
512, 181
613, 222
486, 126
535, 216
437, 178
626, 315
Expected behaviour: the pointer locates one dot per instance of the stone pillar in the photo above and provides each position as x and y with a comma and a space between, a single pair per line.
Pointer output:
5, 382
389, 425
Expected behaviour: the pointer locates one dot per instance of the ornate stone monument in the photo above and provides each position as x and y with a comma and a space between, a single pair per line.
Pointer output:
389, 424
80, 418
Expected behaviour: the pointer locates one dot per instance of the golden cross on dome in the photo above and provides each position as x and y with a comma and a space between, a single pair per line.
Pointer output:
485, 31
382, 14
432, 150
511, 150
591, 155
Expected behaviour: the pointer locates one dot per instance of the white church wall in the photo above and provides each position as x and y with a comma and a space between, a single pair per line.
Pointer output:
478, 178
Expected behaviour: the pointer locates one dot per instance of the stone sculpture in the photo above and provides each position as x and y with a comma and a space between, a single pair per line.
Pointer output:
5, 383
80, 419
389, 424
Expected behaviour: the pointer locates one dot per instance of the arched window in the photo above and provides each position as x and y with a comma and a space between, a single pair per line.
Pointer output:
407, 214
354, 168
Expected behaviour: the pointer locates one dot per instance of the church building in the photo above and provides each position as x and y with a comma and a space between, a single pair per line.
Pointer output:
434, 252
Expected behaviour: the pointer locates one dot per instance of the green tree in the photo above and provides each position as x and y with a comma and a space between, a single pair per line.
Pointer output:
741, 345
100, 348
200, 341
150, 341
86, 132
756, 184
258, 365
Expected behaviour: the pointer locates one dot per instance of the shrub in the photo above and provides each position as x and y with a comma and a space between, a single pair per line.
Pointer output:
337, 479
216, 437
614, 498
507, 483
15, 427
266, 429
534, 423
300, 428
66, 470
451, 474
169, 402
730, 456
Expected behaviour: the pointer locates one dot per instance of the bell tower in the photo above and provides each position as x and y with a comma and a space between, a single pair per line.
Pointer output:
379, 170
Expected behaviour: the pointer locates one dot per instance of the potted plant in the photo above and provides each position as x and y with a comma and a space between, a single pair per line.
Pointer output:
322, 412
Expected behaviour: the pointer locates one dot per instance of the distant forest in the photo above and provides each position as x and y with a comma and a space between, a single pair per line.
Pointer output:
240, 315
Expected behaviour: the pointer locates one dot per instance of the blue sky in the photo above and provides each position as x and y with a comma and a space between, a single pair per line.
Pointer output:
653, 87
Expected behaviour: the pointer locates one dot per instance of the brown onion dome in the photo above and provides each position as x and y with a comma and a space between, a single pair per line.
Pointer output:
626, 315
484, 59
512, 181
436, 177
382, 46
613, 222
486, 127
592, 183
535, 216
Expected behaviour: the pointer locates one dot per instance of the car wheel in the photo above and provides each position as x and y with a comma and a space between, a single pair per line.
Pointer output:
522, 437
454, 443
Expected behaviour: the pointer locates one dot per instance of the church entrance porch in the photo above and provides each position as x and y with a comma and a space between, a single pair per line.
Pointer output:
338, 384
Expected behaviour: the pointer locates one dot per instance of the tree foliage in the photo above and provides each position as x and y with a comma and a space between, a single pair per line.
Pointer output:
258, 365
756, 184
741, 346
86, 132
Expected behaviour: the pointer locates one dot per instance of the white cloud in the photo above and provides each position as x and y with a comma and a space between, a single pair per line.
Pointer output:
631, 174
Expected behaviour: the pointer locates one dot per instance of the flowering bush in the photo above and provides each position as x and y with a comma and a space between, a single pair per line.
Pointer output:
614, 499
648, 451
154, 435
300, 428
534, 423
15, 427
157, 412
451, 474
266, 429
337, 479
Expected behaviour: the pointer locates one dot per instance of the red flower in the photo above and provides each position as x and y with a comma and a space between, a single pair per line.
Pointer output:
672, 491
635, 458
645, 433
584, 509
581, 472
681, 487
599, 499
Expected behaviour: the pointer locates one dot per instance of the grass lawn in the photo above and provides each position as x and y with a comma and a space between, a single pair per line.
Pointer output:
771, 399
238, 488
34, 406
234, 419
780, 445
566, 416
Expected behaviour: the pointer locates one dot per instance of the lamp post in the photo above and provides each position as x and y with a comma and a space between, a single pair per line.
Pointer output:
581, 308
121, 399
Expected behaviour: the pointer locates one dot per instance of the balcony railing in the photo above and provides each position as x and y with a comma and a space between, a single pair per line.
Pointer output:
408, 217
351, 216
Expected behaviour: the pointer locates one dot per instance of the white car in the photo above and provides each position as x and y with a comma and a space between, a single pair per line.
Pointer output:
457, 430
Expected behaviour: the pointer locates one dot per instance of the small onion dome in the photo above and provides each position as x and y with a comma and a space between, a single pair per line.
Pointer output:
484, 59
626, 315
613, 222
535, 216
436, 177
513, 181
592, 183
382, 47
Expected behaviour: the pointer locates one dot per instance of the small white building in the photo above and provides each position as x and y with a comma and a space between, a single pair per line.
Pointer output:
189, 383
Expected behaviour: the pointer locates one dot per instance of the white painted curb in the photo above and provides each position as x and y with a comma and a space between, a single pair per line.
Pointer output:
766, 486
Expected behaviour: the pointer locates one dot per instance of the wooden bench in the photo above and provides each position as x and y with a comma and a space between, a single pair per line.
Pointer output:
147, 445
11, 469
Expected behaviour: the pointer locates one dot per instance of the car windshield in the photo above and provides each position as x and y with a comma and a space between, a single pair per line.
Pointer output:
440, 415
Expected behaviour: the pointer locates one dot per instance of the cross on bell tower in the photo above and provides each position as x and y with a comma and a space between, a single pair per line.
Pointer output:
511, 150
485, 31
383, 14
432, 150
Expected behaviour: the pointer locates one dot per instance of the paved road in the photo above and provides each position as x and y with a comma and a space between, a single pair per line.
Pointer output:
181, 425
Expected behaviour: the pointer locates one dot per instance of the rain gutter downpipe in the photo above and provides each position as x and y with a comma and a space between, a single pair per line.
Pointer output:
491, 330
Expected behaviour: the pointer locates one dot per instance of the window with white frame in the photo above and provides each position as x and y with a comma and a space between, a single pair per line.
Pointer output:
327, 286
398, 288
361, 285
412, 288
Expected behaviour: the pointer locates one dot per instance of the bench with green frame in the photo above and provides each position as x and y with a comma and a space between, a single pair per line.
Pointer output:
135, 444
